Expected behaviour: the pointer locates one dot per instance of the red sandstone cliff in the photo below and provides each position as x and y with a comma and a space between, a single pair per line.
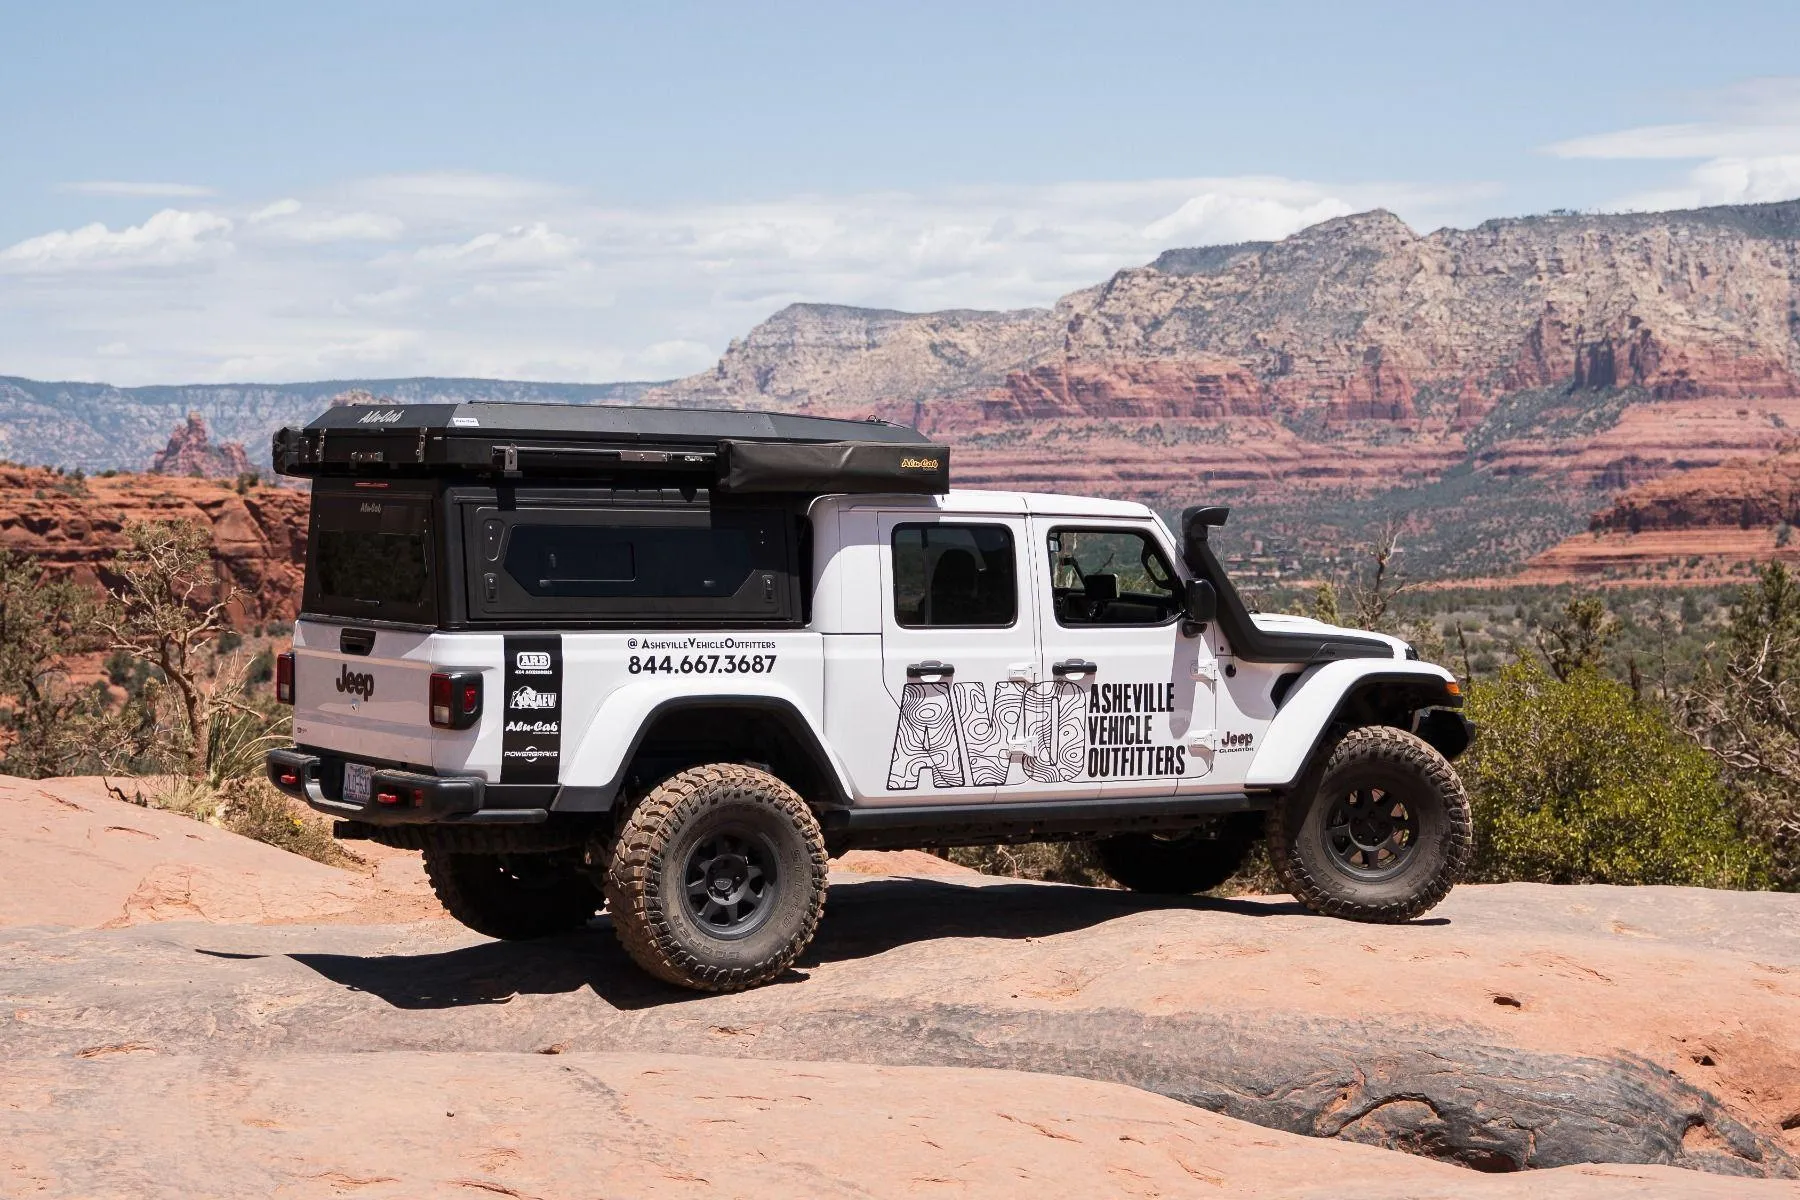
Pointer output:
75, 526
1692, 525
191, 452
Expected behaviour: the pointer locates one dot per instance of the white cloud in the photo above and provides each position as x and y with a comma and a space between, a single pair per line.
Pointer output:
282, 219
1750, 147
128, 187
534, 245
280, 208
466, 274
1241, 214
171, 236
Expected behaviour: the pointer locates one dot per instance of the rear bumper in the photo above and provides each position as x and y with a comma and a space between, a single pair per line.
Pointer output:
396, 797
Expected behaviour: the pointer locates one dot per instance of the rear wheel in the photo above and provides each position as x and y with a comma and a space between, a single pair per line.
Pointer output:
1381, 832
513, 896
1183, 864
716, 880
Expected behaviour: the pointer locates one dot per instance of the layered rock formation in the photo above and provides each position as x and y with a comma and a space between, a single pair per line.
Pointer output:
1591, 352
1741, 493
1693, 526
1357, 319
191, 452
76, 526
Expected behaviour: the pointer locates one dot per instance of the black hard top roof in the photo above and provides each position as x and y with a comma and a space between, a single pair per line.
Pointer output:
612, 422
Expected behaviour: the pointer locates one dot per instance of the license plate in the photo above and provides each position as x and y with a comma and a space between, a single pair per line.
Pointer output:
357, 777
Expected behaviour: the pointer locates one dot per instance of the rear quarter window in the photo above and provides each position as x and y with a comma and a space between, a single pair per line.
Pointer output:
371, 556
617, 565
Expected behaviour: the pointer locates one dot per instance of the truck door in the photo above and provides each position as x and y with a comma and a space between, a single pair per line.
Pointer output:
1114, 656
958, 640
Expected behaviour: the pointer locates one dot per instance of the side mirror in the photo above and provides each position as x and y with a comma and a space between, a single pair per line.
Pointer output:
1201, 604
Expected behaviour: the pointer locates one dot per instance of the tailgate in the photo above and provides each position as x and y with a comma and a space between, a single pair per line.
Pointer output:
363, 692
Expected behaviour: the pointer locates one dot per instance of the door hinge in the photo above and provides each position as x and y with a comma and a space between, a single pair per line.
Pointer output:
1206, 669
1203, 739
1025, 672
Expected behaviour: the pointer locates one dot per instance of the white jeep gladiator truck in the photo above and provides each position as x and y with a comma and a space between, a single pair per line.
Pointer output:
668, 662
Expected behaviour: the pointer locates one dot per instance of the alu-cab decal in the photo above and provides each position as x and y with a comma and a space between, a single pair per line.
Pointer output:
531, 738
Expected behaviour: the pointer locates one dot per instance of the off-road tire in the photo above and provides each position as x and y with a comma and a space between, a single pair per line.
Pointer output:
648, 884
512, 896
1401, 766
1183, 865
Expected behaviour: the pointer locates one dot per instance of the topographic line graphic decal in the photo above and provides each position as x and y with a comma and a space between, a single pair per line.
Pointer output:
925, 739
984, 741
1069, 704
954, 732
1055, 721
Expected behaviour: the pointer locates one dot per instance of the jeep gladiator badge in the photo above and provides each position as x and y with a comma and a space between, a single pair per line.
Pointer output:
531, 738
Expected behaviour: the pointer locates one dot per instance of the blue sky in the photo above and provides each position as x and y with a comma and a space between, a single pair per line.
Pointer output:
591, 191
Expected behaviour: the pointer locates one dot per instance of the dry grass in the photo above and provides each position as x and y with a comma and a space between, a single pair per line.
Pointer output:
251, 807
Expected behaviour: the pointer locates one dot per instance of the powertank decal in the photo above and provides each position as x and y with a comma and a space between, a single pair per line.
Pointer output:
531, 735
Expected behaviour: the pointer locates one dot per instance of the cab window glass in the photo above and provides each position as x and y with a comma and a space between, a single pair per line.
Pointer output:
1111, 577
954, 575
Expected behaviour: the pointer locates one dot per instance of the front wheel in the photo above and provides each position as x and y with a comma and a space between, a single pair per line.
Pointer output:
716, 880
1380, 833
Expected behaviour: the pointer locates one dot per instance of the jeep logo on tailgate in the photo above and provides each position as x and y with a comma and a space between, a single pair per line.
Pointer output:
356, 683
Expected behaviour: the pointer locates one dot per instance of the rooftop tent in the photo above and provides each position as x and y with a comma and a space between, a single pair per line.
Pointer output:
731, 451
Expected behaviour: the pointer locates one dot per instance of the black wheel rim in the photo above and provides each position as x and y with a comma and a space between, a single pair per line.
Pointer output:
729, 882
1371, 832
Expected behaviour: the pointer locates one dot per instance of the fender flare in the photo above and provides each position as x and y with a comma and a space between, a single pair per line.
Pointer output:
641, 712
1314, 703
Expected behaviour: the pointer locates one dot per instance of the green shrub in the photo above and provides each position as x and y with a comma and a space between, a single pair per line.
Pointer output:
253, 808
1055, 862
1574, 782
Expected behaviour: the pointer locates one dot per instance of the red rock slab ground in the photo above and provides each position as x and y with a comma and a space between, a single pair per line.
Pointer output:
624, 1126
1589, 1007
77, 857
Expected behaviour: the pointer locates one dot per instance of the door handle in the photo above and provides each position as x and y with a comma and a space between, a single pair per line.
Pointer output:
1074, 666
930, 668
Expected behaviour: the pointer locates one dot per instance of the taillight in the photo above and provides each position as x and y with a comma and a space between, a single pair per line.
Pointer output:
441, 709
284, 677
455, 699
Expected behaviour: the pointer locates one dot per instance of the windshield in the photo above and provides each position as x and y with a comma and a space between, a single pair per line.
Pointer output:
371, 557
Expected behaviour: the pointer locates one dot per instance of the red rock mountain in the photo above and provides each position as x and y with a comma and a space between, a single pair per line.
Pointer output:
1356, 358
191, 452
1695, 525
76, 526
